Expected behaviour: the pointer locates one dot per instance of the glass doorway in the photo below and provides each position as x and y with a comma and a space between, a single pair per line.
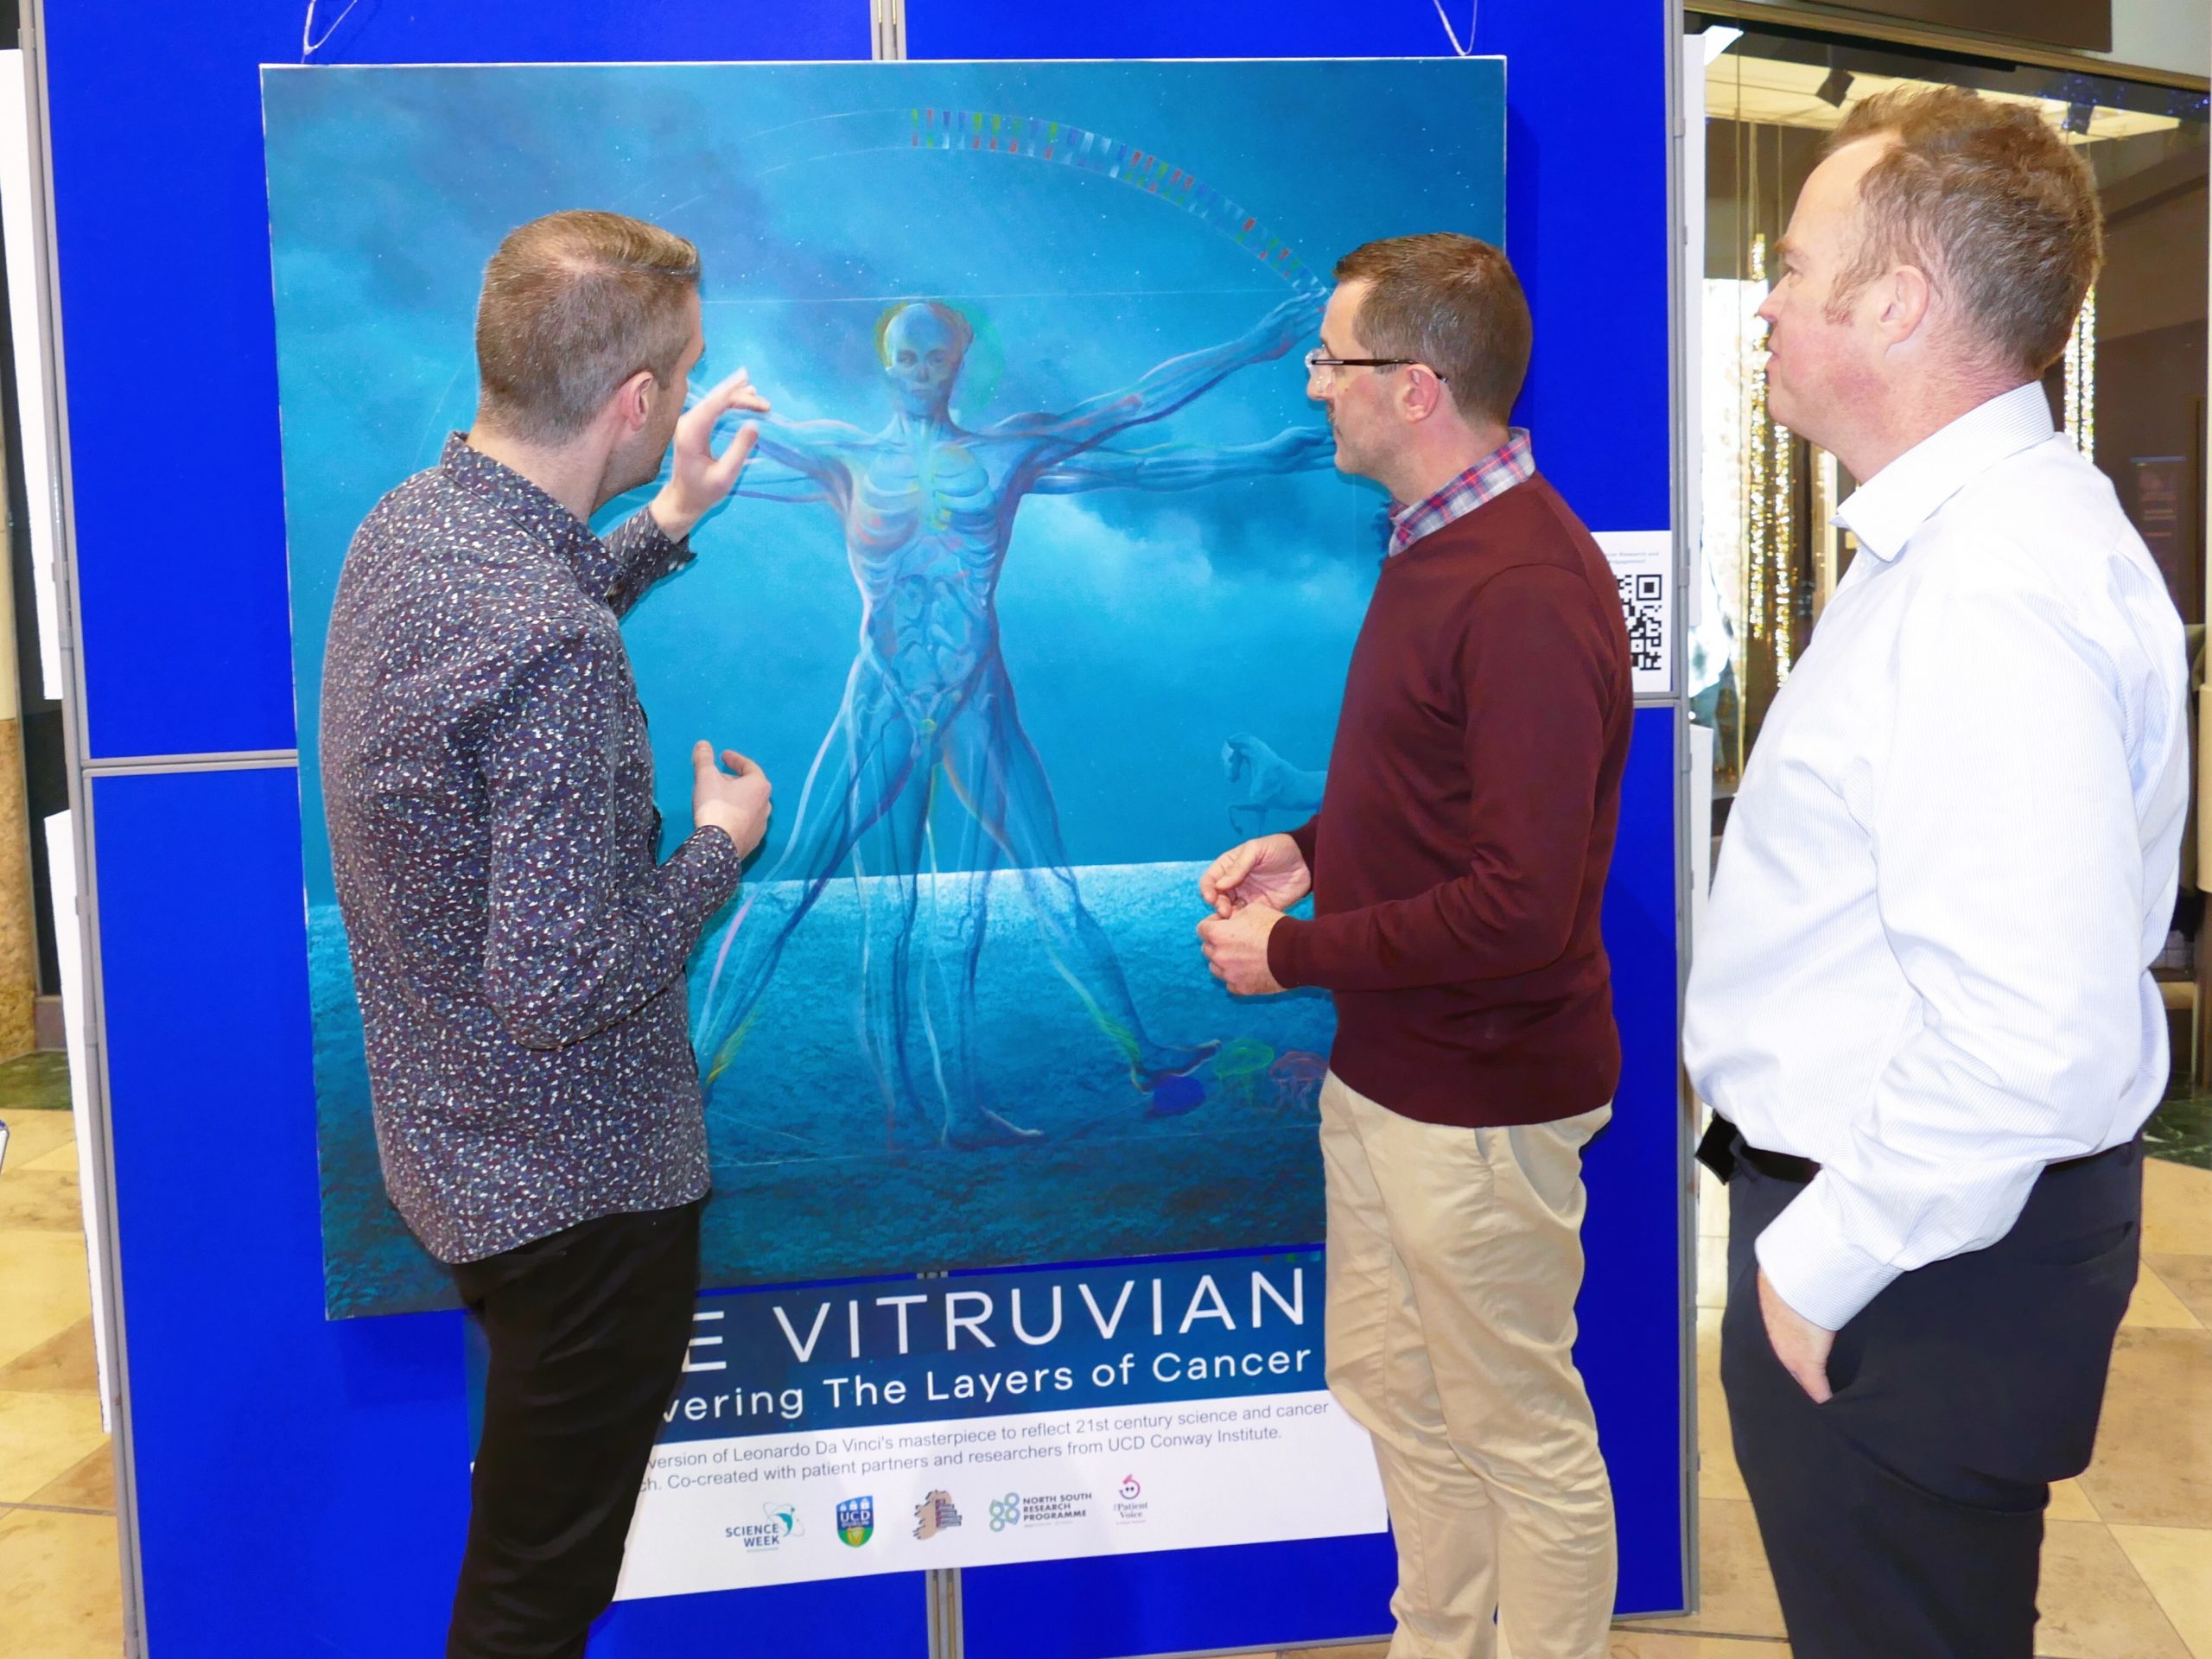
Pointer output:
2130, 392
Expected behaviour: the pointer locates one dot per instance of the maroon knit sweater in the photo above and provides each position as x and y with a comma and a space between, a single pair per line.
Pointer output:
1459, 856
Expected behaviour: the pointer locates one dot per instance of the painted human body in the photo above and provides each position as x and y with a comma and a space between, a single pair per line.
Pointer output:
928, 510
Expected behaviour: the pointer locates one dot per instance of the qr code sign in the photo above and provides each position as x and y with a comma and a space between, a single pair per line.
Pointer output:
1644, 564
1643, 598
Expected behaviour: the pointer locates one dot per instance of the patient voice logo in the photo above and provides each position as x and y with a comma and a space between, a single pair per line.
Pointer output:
857, 1521
1130, 1505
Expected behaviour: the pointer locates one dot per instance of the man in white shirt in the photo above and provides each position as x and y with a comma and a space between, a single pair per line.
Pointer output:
1920, 1008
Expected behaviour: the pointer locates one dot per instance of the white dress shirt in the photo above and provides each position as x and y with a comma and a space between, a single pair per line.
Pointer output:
1951, 862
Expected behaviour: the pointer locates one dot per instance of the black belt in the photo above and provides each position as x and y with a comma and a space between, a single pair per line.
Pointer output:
1722, 1148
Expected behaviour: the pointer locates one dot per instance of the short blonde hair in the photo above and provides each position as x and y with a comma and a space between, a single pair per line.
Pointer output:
1989, 200
574, 304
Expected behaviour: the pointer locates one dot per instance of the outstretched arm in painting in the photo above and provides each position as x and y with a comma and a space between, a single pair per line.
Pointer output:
805, 460
1165, 388
766, 481
1300, 449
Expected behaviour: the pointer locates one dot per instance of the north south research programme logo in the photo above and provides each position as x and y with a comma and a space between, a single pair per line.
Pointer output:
1006, 1512
857, 1521
934, 1514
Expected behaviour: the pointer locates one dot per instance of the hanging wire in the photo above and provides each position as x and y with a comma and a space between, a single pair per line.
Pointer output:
309, 44
1452, 35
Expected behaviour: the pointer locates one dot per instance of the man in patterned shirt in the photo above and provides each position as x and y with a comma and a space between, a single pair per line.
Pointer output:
517, 951
1457, 867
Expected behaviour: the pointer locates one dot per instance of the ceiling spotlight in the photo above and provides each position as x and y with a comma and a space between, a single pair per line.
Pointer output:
2078, 117
1837, 88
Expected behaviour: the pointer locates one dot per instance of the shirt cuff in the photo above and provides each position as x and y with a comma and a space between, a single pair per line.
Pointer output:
647, 552
670, 551
1285, 959
709, 868
1813, 1266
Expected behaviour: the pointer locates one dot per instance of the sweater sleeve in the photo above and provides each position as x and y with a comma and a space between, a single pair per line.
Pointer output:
1532, 668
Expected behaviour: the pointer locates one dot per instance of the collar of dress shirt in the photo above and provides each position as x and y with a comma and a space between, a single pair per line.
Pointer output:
1512, 462
590, 560
1886, 511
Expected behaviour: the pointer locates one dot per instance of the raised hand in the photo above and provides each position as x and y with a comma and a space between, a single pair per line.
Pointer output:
1304, 448
698, 478
1296, 322
735, 802
1268, 870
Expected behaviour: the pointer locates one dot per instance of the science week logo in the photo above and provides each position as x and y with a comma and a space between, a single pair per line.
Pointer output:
782, 1524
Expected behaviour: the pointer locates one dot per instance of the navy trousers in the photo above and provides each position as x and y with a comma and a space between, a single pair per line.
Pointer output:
1904, 1517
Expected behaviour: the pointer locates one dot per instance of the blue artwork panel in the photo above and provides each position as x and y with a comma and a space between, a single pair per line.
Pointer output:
1014, 690
1586, 196
160, 226
253, 1423
301, 1486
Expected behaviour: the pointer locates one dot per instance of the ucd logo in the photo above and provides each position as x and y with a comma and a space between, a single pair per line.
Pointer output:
857, 1521
1006, 1512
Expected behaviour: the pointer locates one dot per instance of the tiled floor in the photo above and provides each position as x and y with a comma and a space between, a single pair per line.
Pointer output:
2128, 1552
60, 1581
2127, 1565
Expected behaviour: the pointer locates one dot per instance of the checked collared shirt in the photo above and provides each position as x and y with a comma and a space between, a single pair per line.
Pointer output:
517, 953
1512, 462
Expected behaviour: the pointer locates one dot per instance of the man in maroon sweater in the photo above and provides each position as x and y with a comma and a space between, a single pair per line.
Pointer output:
1457, 865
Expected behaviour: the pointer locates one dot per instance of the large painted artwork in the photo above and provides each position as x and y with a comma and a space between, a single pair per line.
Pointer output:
1015, 685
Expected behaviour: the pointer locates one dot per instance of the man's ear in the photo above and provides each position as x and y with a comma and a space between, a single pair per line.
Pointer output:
633, 399
1907, 297
1421, 393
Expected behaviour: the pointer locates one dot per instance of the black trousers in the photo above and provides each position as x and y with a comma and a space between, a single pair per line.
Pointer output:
587, 1329
1903, 1518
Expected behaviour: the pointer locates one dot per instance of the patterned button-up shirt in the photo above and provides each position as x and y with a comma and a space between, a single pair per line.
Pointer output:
518, 953
1512, 462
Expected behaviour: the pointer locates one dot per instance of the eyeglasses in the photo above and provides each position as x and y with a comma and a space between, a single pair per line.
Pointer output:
1316, 360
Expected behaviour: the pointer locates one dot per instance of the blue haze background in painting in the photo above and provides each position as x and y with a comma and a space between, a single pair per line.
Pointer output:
1140, 630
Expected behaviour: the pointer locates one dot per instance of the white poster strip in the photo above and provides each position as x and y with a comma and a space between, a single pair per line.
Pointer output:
726, 1515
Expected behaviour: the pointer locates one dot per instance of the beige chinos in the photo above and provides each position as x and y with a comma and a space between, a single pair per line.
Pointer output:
1455, 1255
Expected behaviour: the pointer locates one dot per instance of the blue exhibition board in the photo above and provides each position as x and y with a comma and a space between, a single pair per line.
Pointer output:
299, 1485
